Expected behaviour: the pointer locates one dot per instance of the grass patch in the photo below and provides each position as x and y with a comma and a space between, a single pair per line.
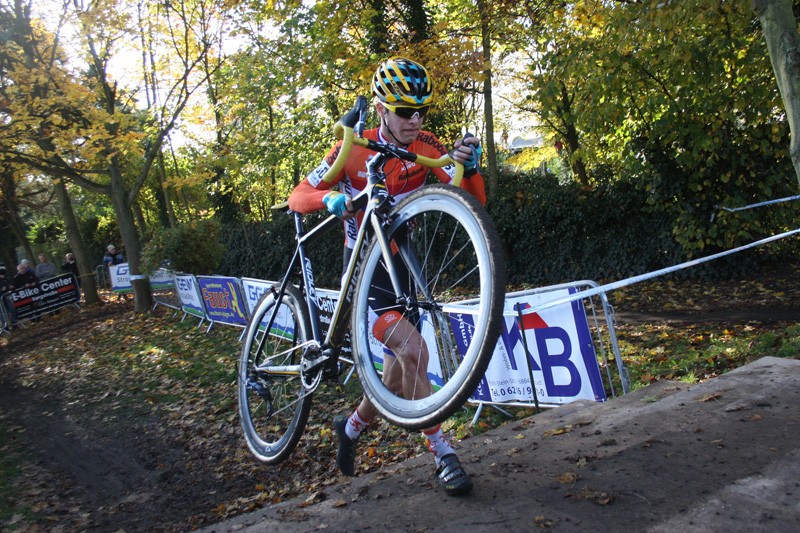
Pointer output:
694, 353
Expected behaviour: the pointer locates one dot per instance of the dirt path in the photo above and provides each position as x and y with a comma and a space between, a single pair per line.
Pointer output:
718, 456
125, 469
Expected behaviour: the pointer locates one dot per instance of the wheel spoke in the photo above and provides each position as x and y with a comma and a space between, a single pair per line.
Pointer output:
444, 261
273, 403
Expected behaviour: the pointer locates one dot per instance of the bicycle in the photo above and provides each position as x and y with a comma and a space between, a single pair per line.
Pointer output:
441, 253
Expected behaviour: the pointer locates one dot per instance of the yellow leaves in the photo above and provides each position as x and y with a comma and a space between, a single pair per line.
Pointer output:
594, 496
557, 431
568, 478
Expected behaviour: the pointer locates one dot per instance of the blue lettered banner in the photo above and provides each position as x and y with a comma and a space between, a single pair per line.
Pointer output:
223, 300
188, 291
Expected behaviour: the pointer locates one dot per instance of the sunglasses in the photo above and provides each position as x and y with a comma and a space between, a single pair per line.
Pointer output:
408, 112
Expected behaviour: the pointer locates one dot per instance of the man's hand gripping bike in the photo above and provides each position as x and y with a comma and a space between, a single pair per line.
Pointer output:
436, 251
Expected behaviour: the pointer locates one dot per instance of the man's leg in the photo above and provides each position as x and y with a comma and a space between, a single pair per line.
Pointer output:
406, 374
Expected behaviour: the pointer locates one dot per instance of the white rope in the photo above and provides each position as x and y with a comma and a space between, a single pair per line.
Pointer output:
650, 275
760, 204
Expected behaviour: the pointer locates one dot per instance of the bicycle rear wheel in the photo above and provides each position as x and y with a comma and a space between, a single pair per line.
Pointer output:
446, 252
273, 404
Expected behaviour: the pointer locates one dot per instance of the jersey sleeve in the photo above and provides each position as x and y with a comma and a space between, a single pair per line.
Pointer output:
432, 147
476, 186
307, 196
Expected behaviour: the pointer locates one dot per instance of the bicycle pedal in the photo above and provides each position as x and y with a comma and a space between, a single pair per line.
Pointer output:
331, 372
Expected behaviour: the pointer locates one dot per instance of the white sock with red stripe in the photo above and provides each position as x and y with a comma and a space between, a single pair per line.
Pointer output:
355, 425
438, 443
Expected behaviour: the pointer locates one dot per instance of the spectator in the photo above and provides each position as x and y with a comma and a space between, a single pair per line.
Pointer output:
5, 283
69, 266
113, 257
45, 269
25, 277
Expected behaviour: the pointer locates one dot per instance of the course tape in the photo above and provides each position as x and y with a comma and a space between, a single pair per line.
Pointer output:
760, 204
650, 275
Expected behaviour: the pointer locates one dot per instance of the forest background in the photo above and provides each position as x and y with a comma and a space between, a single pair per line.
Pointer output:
171, 127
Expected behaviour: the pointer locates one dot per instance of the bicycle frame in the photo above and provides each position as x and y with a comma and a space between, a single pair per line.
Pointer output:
374, 199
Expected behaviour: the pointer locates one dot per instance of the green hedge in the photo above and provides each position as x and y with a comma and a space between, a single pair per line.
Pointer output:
193, 247
555, 233
263, 250
551, 233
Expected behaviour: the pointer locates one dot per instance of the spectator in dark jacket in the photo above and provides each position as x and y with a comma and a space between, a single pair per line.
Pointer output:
25, 277
113, 256
6, 284
69, 266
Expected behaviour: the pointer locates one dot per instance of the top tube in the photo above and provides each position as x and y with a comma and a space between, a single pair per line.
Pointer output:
345, 129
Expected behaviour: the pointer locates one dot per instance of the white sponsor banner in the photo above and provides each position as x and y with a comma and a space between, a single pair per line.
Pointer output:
562, 357
189, 294
326, 303
121, 278
162, 279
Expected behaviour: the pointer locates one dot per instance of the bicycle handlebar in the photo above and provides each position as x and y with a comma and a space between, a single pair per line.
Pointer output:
353, 122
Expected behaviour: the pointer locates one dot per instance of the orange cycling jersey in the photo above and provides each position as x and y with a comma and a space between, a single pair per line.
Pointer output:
402, 177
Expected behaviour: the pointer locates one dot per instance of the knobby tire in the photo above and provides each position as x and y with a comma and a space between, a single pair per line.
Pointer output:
273, 407
447, 237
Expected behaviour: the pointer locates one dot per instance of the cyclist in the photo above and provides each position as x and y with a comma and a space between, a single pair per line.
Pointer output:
404, 94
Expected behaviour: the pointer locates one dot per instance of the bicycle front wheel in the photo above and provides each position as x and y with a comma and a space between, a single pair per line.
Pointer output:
420, 357
273, 403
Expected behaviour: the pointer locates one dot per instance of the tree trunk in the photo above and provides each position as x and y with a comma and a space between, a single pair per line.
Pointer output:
87, 281
9, 195
19, 232
142, 292
572, 140
8, 245
162, 172
417, 20
377, 33
780, 32
488, 112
